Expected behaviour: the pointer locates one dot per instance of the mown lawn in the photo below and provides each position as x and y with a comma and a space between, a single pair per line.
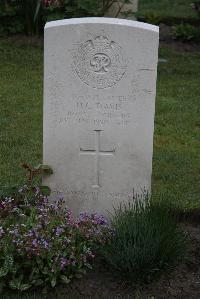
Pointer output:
176, 161
21, 108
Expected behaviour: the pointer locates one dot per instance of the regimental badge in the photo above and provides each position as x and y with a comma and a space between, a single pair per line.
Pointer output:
99, 62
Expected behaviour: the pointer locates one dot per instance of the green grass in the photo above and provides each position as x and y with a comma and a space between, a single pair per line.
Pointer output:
176, 168
21, 108
177, 124
168, 8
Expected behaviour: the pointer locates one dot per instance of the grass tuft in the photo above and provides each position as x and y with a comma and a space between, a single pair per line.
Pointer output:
147, 240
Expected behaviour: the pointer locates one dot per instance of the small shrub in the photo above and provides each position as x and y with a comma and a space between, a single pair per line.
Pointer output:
146, 241
153, 18
185, 32
41, 244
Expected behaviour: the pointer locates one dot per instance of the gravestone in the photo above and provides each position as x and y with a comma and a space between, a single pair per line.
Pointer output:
99, 98
120, 9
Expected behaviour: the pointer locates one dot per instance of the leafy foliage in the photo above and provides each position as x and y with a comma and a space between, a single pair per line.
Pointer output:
196, 6
146, 240
10, 21
186, 32
30, 16
41, 244
83, 8
168, 11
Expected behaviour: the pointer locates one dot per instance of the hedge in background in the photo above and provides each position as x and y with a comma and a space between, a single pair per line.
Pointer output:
29, 16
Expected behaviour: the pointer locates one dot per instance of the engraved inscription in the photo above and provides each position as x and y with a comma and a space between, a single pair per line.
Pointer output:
99, 62
97, 152
94, 110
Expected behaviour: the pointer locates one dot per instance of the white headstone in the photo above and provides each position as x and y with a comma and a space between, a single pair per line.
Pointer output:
120, 9
99, 98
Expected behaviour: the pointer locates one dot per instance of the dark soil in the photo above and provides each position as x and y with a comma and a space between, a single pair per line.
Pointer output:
182, 282
167, 41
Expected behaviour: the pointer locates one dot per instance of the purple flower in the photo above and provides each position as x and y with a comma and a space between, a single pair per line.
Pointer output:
37, 191
14, 232
59, 230
46, 244
100, 219
64, 262
59, 197
34, 243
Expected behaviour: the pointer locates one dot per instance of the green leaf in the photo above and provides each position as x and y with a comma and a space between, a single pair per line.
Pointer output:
45, 270
65, 279
53, 282
14, 284
45, 190
24, 287
3, 272
37, 282
40, 262
89, 266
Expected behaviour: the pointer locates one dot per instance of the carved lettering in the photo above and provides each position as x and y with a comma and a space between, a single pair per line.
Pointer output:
97, 110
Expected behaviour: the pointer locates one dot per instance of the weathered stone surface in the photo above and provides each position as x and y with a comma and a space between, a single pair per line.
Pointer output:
99, 98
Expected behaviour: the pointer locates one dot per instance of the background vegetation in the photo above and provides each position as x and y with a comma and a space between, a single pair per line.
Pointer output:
169, 11
29, 16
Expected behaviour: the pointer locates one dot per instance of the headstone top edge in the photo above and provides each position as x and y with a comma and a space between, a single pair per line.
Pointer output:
102, 20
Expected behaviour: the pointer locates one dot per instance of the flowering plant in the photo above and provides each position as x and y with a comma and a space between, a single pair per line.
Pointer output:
41, 243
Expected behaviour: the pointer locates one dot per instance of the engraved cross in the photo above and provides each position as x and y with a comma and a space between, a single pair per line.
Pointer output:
97, 152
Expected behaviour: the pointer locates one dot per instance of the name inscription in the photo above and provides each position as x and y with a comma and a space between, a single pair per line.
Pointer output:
96, 110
